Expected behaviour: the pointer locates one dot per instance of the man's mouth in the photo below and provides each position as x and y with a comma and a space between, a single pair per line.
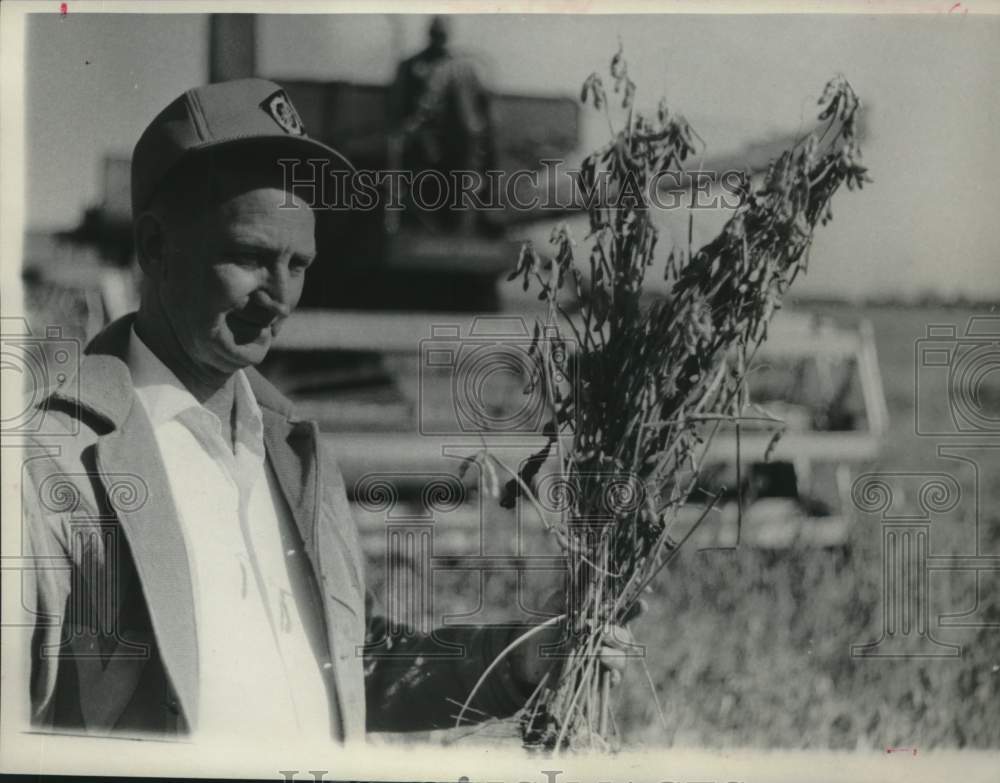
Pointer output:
252, 322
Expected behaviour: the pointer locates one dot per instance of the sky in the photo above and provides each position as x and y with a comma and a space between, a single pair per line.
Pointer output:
929, 83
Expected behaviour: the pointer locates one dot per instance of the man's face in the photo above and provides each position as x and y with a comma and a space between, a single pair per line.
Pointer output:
234, 272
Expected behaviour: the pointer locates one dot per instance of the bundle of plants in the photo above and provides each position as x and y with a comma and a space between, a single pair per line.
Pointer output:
636, 385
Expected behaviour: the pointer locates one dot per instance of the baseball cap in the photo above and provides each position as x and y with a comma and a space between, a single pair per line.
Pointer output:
225, 114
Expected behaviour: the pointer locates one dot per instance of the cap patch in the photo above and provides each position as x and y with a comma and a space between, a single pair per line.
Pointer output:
282, 112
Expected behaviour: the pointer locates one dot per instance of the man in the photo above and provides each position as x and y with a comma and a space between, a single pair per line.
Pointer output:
198, 566
440, 111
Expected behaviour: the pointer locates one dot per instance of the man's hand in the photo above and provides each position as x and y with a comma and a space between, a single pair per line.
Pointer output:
529, 666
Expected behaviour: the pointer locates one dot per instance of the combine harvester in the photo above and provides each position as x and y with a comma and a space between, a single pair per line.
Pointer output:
399, 409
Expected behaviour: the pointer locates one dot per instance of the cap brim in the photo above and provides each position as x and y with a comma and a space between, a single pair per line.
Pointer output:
284, 147
301, 147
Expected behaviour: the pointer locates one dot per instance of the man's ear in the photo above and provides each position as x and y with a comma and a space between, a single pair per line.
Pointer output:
150, 244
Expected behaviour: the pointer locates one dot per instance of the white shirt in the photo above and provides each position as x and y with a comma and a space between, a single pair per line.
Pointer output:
258, 672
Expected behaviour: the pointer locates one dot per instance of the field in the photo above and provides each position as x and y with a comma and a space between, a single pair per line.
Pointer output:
750, 648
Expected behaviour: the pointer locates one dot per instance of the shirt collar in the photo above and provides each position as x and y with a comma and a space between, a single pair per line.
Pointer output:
165, 398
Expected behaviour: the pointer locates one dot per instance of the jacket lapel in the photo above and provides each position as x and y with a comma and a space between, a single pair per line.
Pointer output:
103, 389
291, 450
157, 544
294, 453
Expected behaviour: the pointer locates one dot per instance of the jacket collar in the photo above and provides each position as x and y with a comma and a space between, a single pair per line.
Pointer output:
102, 384
102, 387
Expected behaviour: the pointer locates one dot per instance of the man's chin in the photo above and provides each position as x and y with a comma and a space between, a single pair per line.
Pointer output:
236, 356
251, 353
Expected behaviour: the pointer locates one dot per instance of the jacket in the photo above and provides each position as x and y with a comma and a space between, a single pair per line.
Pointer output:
114, 644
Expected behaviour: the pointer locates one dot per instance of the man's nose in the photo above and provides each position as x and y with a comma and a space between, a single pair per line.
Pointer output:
274, 294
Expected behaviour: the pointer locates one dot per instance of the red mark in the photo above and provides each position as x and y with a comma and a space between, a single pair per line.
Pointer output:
63, 9
958, 6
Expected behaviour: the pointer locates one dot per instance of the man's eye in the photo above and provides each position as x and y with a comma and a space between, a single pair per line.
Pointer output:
300, 264
244, 259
